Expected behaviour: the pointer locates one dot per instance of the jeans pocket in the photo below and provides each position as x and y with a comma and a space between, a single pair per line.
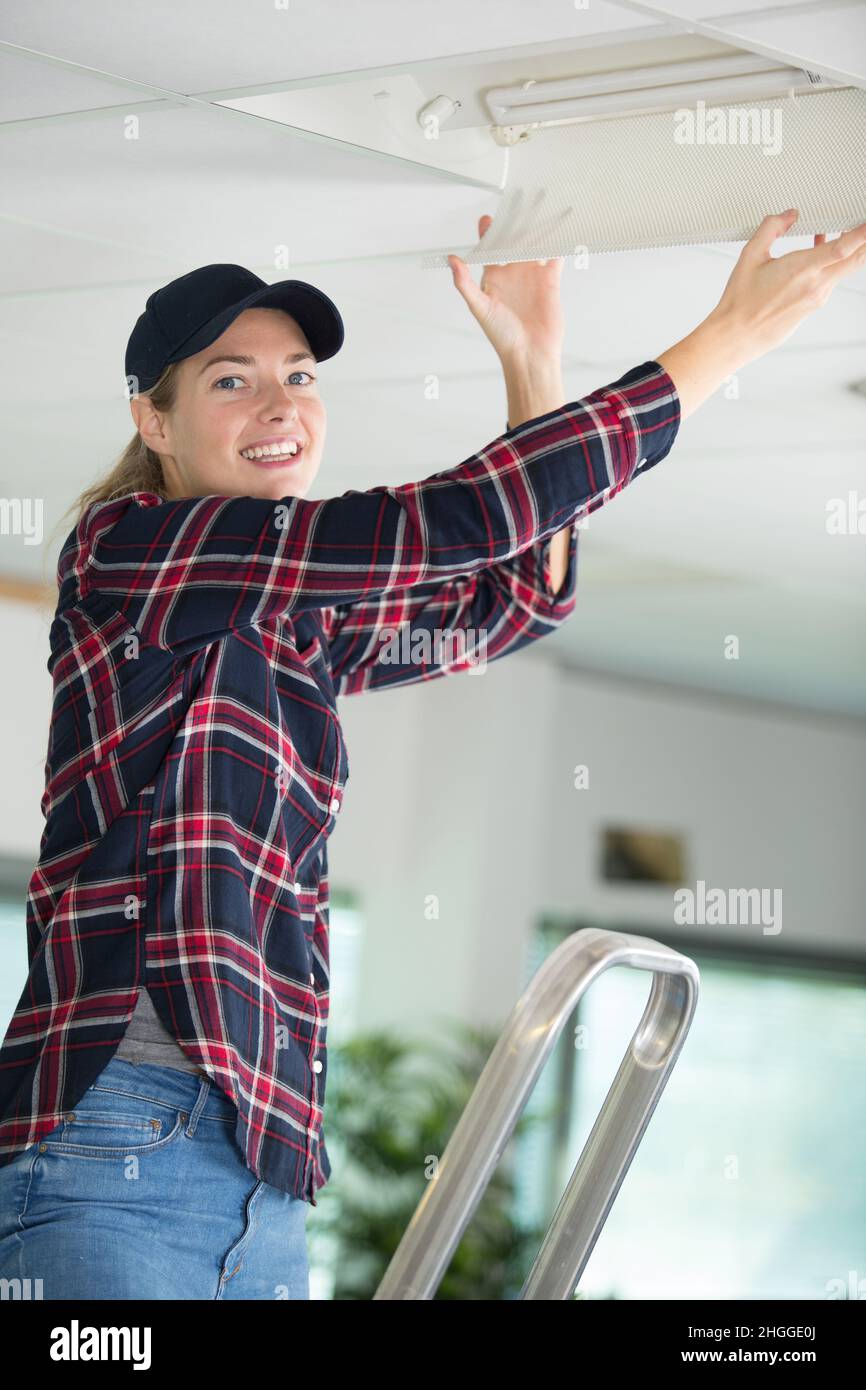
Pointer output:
107, 1125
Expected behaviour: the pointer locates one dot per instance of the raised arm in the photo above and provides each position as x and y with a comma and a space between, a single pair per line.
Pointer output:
527, 596
455, 625
185, 572
763, 302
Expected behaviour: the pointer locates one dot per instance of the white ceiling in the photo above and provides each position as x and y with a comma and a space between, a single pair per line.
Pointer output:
727, 535
828, 36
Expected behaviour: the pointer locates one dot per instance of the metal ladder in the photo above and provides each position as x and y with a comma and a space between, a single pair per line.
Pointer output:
502, 1091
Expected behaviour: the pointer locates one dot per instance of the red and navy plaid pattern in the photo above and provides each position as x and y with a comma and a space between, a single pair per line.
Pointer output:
196, 763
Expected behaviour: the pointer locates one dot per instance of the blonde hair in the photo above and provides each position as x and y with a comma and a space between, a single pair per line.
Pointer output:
138, 468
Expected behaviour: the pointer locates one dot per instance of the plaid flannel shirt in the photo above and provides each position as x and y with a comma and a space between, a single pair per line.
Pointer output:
196, 764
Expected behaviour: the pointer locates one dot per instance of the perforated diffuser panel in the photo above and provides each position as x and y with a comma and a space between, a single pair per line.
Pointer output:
630, 183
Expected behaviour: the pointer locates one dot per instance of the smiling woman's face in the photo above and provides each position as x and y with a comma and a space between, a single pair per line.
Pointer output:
224, 409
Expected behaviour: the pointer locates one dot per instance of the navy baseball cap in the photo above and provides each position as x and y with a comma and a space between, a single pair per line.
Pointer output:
191, 312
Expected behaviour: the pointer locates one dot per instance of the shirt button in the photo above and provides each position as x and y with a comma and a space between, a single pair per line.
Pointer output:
312, 978
335, 805
317, 1066
642, 462
297, 887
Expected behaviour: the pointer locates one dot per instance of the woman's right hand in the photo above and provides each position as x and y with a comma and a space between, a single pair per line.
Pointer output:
764, 300
767, 296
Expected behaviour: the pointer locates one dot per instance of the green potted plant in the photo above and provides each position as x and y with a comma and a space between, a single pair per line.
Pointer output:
391, 1106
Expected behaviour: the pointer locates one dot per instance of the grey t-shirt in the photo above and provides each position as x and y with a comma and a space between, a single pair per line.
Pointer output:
146, 1040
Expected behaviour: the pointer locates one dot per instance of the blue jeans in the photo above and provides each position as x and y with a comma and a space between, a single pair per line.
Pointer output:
143, 1193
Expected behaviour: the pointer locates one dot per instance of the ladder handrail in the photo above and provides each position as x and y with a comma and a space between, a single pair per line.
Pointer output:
503, 1089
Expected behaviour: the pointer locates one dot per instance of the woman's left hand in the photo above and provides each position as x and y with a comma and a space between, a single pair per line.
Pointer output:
517, 305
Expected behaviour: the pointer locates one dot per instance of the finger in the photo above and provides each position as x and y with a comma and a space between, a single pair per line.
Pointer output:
854, 260
484, 223
820, 238
833, 254
553, 265
757, 248
474, 296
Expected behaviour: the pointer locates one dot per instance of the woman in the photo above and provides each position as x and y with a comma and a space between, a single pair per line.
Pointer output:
208, 617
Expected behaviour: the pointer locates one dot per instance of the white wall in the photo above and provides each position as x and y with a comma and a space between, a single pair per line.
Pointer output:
26, 713
465, 788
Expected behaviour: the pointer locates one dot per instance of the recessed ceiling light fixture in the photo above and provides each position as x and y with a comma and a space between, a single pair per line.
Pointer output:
729, 78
